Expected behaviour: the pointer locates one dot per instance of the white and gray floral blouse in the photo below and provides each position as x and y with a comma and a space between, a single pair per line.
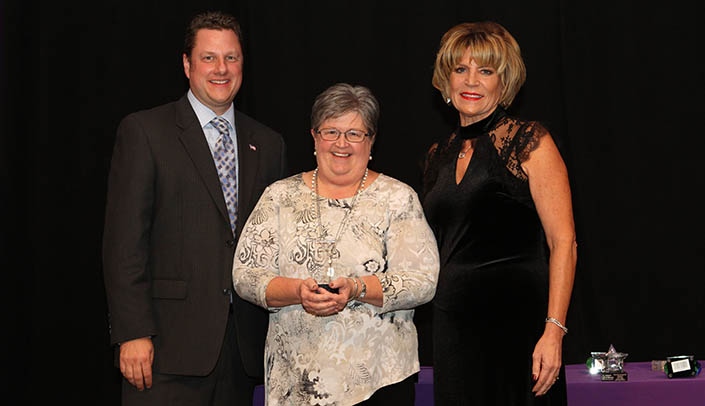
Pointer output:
340, 359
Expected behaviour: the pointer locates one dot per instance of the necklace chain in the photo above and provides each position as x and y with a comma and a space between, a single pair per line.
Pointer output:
332, 243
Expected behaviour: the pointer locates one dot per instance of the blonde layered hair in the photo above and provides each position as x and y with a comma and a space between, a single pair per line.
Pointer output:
491, 45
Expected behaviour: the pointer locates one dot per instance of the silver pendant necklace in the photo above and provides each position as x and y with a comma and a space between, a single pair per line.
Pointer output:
462, 154
330, 243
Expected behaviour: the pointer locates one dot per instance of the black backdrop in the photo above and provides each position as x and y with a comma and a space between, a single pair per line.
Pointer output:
618, 83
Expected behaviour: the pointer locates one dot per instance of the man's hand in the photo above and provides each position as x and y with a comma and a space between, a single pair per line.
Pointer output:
136, 358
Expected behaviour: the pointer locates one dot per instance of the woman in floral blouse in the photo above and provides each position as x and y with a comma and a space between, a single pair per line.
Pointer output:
340, 256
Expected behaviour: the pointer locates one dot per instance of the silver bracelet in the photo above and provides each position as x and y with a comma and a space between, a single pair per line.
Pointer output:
363, 291
557, 323
354, 295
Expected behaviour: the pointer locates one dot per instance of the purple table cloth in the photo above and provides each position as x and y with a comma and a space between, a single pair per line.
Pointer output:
643, 387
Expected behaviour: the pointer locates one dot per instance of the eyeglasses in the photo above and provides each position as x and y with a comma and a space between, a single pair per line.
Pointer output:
332, 134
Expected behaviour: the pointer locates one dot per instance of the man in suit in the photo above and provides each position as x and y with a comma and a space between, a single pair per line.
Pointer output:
182, 336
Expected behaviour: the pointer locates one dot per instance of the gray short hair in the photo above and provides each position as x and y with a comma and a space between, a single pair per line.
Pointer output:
343, 98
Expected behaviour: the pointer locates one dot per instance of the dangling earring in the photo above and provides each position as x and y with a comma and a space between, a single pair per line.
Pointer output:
314, 152
370, 157
448, 101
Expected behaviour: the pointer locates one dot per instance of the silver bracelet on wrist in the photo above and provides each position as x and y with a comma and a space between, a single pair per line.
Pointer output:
557, 323
357, 287
363, 291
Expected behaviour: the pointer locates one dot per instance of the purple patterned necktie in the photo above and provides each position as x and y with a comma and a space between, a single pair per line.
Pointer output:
224, 156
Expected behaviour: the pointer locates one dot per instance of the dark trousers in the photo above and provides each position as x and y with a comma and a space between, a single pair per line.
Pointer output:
227, 384
399, 394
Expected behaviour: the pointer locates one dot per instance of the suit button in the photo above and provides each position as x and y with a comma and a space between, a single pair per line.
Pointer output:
230, 243
226, 291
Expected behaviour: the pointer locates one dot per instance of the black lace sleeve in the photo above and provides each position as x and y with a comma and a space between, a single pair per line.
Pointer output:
515, 140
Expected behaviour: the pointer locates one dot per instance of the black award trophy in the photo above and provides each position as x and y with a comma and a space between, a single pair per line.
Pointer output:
680, 366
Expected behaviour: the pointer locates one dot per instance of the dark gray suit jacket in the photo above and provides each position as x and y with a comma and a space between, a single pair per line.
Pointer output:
167, 244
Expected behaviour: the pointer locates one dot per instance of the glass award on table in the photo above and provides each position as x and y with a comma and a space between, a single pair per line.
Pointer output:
614, 368
596, 362
610, 365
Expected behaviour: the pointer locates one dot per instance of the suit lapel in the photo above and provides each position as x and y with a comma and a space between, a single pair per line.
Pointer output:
194, 141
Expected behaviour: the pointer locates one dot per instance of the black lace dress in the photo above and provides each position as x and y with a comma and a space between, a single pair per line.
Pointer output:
492, 293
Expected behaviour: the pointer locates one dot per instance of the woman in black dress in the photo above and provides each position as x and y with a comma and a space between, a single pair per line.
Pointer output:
497, 195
